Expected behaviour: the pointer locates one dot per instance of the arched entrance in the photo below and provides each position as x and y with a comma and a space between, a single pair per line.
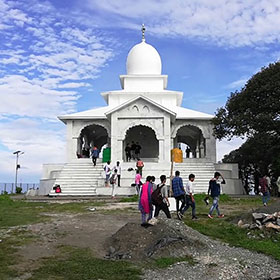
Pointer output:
146, 138
91, 135
190, 139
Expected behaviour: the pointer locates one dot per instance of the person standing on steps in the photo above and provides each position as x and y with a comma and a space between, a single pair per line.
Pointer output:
94, 155
107, 169
137, 150
139, 165
128, 152
178, 193
189, 196
119, 171
138, 182
132, 149
215, 190
113, 180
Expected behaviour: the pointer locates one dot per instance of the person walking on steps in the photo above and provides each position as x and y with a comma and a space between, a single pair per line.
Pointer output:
215, 190
178, 193
139, 165
189, 196
94, 155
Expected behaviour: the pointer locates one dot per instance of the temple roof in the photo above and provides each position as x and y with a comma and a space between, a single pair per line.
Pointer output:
102, 112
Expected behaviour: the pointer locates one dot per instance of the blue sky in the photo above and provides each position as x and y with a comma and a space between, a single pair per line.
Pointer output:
57, 56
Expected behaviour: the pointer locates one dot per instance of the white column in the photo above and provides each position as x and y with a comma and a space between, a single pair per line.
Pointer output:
197, 149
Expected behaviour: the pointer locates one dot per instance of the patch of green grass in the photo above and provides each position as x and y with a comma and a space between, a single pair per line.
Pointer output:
167, 261
75, 263
22, 212
226, 231
133, 198
8, 249
13, 213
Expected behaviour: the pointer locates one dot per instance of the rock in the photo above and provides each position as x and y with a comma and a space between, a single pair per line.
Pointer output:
275, 276
254, 226
268, 218
271, 225
240, 223
258, 216
278, 221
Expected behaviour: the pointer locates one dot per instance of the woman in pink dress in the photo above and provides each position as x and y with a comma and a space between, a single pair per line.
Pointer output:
145, 202
138, 182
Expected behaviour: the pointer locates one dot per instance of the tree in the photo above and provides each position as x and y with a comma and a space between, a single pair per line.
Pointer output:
255, 109
254, 113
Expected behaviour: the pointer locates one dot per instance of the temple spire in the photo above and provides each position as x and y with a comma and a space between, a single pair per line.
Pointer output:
143, 32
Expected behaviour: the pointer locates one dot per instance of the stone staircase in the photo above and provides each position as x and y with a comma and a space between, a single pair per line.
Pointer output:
203, 172
81, 178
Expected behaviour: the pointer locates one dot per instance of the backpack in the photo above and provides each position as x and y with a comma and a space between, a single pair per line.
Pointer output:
156, 196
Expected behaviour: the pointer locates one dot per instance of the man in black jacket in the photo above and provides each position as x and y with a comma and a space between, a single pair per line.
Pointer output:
215, 190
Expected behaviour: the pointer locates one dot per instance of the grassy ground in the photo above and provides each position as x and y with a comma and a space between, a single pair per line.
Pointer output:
223, 229
71, 261
76, 263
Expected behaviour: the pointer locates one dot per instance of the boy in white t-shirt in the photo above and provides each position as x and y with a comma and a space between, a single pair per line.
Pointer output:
189, 189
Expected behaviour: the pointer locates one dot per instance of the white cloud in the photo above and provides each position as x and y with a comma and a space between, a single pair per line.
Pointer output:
237, 84
37, 142
229, 23
47, 56
224, 147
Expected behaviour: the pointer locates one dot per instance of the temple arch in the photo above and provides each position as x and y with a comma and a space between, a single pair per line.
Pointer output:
146, 137
192, 137
91, 135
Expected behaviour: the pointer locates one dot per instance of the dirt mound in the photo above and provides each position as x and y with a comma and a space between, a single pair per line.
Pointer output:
166, 238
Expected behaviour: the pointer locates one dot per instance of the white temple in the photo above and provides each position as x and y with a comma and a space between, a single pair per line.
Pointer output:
143, 111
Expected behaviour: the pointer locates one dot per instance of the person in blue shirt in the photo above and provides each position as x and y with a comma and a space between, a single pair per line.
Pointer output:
215, 190
94, 155
178, 193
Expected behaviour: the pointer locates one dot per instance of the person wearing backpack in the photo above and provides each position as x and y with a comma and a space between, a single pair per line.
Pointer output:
160, 198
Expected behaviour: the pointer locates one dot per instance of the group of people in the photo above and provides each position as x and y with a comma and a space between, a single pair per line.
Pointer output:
157, 195
112, 176
132, 151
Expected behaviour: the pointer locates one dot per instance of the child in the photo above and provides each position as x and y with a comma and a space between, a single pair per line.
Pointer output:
113, 181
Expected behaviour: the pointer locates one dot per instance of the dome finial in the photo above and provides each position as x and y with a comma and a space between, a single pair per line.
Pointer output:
143, 32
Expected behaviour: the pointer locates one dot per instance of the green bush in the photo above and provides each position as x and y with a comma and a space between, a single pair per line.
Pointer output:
18, 189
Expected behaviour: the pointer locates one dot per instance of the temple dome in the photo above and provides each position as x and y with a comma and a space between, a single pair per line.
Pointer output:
143, 59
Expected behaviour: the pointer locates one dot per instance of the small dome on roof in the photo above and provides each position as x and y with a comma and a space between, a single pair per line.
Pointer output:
143, 59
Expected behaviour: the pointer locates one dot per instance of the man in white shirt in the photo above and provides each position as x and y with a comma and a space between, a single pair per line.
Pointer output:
189, 189
119, 171
107, 169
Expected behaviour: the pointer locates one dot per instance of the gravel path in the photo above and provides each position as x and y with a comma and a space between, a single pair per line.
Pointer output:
215, 260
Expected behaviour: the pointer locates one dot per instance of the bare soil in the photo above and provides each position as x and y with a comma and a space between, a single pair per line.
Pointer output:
118, 235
